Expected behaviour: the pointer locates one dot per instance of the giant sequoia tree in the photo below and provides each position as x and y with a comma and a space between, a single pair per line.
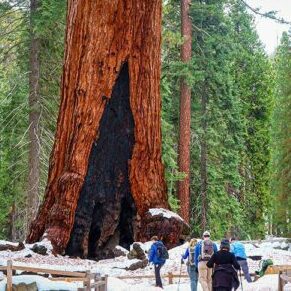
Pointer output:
105, 169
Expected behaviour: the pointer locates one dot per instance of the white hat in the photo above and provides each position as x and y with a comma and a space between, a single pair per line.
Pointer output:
206, 233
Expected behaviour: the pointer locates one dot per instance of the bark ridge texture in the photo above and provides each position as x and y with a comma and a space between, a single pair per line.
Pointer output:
104, 40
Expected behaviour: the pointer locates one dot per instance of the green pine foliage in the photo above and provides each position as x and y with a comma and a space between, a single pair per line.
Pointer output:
281, 145
13, 121
49, 25
232, 83
254, 86
233, 76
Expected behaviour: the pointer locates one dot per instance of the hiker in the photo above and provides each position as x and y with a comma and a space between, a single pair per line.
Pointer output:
238, 249
224, 277
203, 252
191, 267
158, 255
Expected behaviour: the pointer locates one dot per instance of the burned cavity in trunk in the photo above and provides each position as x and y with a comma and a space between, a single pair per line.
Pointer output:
105, 214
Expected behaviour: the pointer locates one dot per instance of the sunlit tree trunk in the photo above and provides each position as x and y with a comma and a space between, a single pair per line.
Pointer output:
185, 116
105, 169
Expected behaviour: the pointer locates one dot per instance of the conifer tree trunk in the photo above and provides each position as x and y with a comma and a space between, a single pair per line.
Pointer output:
185, 116
34, 117
105, 169
203, 163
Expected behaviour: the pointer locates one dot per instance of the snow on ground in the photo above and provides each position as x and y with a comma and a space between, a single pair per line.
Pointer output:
42, 283
116, 267
267, 283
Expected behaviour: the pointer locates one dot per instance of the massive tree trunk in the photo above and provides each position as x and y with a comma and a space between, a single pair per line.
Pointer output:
105, 169
34, 117
185, 115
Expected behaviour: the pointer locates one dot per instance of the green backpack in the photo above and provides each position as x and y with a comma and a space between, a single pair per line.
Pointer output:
264, 264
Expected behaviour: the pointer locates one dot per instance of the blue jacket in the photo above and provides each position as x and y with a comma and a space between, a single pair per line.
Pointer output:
187, 254
153, 258
238, 249
198, 251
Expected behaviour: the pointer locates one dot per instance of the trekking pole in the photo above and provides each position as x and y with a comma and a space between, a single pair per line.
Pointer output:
180, 275
241, 284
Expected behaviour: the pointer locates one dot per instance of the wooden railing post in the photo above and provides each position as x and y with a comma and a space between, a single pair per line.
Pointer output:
88, 281
280, 287
9, 275
170, 275
105, 282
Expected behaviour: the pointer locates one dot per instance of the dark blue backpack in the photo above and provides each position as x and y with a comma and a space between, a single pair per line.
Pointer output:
162, 252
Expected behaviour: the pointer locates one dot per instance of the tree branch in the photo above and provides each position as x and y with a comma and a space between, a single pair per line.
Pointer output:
266, 14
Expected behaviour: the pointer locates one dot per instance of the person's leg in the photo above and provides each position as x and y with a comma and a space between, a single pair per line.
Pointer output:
202, 275
193, 277
158, 276
209, 278
245, 268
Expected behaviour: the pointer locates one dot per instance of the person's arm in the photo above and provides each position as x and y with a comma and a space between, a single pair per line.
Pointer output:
214, 247
197, 254
235, 263
151, 253
211, 262
186, 255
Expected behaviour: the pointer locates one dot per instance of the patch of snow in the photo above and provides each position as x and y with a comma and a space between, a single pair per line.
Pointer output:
116, 267
42, 283
4, 242
165, 213
284, 245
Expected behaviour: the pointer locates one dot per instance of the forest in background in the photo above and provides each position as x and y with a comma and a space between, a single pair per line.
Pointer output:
240, 115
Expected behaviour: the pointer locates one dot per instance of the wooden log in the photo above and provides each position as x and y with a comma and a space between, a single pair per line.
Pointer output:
67, 279
49, 271
13, 248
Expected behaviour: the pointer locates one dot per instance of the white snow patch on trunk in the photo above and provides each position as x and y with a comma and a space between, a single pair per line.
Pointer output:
165, 213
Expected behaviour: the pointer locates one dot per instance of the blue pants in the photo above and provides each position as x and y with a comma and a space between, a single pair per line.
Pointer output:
245, 268
193, 277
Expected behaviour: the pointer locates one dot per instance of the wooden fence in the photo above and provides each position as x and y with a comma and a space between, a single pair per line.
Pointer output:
169, 276
284, 278
90, 280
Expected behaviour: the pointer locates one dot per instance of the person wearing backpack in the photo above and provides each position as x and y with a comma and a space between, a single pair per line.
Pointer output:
225, 266
203, 252
238, 249
158, 255
191, 267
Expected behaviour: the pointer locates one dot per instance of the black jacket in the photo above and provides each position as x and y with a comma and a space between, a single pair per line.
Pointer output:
224, 274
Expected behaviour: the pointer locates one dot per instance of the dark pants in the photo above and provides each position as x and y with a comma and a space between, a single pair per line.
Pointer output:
245, 268
158, 276
221, 289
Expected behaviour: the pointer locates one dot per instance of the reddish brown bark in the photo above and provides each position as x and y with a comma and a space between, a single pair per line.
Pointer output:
103, 38
185, 116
